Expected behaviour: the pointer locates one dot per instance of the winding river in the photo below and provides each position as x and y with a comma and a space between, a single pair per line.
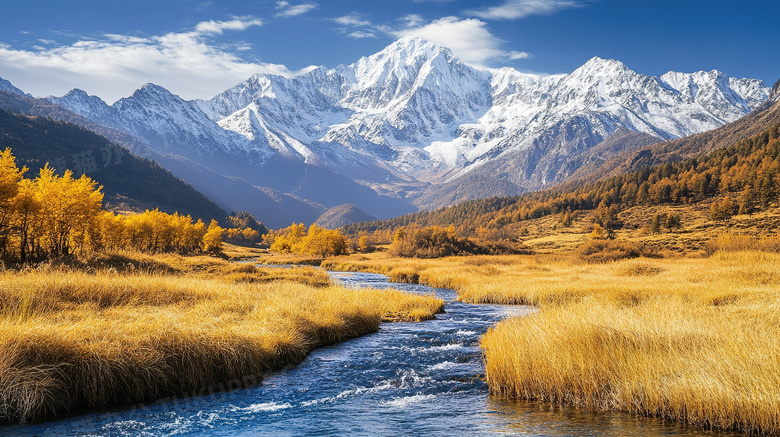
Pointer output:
407, 379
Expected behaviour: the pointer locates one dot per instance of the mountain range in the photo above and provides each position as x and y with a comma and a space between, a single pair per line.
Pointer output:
411, 127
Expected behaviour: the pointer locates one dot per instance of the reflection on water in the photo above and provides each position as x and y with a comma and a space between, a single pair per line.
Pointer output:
406, 379
535, 419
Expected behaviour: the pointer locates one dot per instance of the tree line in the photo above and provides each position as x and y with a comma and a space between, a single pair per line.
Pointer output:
747, 173
55, 215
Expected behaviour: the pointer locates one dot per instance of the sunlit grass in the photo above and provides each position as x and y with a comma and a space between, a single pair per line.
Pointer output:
74, 339
695, 340
710, 360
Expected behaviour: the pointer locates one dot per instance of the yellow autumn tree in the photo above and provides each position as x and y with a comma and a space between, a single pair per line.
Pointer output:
10, 177
26, 220
67, 207
212, 240
57, 215
285, 239
321, 242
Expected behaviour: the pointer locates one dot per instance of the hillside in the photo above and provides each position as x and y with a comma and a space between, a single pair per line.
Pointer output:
130, 183
747, 172
632, 159
342, 215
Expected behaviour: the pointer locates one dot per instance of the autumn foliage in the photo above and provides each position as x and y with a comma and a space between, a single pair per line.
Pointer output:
745, 175
58, 215
315, 240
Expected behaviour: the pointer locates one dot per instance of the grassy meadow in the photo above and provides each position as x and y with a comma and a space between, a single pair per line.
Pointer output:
691, 336
125, 327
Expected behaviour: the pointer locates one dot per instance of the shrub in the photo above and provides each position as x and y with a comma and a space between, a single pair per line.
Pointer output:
613, 250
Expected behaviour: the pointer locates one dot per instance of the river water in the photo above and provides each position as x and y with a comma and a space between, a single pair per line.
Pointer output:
407, 379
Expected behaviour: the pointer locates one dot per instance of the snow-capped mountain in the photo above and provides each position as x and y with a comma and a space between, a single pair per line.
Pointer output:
7, 86
162, 120
413, 117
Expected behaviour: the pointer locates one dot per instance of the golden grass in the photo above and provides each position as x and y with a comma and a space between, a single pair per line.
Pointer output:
731, 242
237, 252
695, 340
289, 258
71, 340
191, 266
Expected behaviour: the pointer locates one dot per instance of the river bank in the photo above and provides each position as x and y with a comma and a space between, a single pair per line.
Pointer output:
406, 379
689, 339
74, 340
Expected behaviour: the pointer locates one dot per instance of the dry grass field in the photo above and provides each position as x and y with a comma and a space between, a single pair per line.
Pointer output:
124, 328
691, 336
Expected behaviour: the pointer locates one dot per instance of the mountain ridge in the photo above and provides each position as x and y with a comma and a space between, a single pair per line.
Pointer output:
394, 130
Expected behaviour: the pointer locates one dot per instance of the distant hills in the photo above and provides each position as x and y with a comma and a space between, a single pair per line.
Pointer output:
130, 183
231, 193
342, 215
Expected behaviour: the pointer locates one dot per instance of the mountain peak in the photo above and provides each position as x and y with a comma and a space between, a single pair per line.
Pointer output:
8, 86
774, 95
416, 41
601, 64
412, 47
152, 90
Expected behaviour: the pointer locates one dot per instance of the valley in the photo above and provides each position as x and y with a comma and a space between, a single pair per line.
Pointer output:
411, 242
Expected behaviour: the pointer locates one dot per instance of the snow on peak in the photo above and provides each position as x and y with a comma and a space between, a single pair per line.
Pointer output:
80, 102
602, 65
412, 45
8, 86
153, 91
398, 63
415, 110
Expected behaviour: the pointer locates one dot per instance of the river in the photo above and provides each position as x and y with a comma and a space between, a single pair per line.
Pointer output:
407, 379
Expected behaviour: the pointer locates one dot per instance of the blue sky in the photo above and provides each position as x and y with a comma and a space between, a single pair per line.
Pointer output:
198, 48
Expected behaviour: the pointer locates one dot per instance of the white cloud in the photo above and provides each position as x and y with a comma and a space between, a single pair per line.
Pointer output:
216, 27
412, 20
469, 39
515, 9
187, 63
361, 34
352, 20
514, 56
287, 10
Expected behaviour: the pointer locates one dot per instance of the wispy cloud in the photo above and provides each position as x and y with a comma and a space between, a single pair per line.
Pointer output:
288, 10
516, 56
359, 27
216, 27
352, 20
412, 20
516, 9
361, 34
188, 63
